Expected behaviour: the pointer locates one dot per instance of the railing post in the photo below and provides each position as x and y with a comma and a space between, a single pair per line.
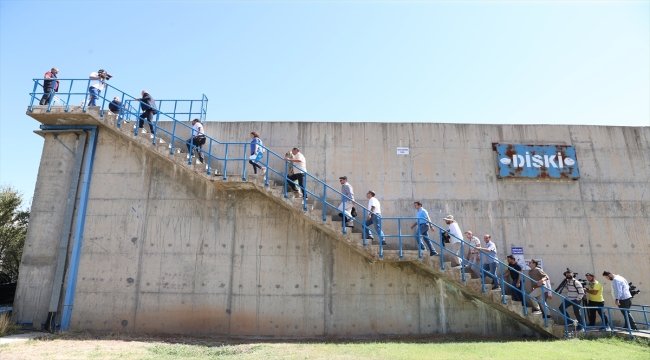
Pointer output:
209, 157
324, 202
243, 173
175, 103
225, 164
503, 282
480, 257
442, 251
189, 116
381, 237
523, 292
545, 312
286, 178
304, 192
645, 314
51, 100
399, 232
364, 227
67, 103
191, 142
267, 172
462, 260
86, 99
171, 149
343, 217
31, 104
155, 128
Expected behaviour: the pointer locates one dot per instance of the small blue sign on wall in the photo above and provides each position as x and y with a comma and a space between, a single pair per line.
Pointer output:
537, 161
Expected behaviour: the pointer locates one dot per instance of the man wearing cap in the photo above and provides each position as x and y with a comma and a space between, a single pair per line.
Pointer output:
454, 240
575, 293
489, 261
595, 298
472, 253
374, 217
49, 85
623, 297
423, 225
517, 281
348, 192
299, 168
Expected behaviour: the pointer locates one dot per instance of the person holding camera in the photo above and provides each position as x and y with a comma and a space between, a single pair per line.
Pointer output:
454, 240
97, 84
575, 294
623, 297
148, 107
595, 297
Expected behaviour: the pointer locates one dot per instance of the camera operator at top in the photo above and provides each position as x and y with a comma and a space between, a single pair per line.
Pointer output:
575, 293
97, 84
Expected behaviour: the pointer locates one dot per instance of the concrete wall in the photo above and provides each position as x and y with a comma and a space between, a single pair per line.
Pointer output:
600, 222
165, 251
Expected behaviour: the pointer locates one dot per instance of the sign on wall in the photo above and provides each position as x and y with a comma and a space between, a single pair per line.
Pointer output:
402, 151
537, 161
518, 253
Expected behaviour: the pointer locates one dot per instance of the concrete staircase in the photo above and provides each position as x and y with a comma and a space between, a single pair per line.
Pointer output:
429, 266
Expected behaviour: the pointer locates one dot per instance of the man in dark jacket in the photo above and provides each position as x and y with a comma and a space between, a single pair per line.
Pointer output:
48, 85
148, 107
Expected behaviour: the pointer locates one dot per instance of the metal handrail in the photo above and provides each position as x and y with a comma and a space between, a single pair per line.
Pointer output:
270, 154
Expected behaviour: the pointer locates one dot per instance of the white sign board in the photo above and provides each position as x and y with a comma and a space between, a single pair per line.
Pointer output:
402, 151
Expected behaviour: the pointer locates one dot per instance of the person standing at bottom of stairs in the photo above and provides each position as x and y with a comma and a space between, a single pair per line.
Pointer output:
423, 226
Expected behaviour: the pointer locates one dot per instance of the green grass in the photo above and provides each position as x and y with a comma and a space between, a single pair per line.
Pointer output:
120, 346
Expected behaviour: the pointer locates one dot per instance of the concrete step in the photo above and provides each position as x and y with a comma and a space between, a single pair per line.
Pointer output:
407, 255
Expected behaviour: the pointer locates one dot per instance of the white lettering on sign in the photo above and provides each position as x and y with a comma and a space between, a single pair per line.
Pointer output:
402, 151
537, 161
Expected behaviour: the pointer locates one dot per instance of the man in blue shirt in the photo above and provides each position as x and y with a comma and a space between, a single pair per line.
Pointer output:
423, 225
623, 297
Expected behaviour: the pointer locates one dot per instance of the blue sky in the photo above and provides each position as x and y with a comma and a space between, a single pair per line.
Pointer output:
515, 62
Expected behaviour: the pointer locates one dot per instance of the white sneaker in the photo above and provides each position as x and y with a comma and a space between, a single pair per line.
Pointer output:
537, 312
143, 131
263, 171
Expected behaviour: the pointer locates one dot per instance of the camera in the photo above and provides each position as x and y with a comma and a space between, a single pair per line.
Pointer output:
104, 75
633, 290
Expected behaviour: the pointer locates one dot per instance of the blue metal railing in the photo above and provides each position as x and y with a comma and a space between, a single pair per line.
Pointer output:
321, 193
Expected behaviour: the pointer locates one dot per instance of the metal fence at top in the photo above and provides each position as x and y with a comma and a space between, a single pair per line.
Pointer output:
75, 92
227, 154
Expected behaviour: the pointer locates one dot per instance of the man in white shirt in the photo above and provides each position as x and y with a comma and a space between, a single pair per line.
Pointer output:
489, 260
472, 252
623, 297
197, 139
454, 230
374, 217
96, 85
299, 168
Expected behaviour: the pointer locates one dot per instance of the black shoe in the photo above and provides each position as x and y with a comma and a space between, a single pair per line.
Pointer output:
383, 243
496, 287
433, 253
370, 238
340, 215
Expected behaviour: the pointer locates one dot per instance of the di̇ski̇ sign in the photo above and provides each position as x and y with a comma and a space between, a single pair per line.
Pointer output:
537, 161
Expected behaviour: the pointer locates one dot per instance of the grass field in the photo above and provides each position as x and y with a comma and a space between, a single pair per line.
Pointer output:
118, 346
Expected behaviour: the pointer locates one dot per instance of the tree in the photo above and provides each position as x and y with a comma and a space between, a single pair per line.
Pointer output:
13, 229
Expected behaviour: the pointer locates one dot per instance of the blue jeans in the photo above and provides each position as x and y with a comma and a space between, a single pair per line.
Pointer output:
422, 235
491, 269
375, 219
94, 95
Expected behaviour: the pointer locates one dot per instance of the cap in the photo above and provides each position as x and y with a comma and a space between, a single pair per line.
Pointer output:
371, 192
589, 274
449, 217
343, 178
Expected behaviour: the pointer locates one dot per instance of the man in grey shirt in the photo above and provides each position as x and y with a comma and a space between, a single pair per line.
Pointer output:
348, 192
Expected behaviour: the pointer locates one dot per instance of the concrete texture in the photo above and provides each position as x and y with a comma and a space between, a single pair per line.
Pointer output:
600, 222
166, 250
